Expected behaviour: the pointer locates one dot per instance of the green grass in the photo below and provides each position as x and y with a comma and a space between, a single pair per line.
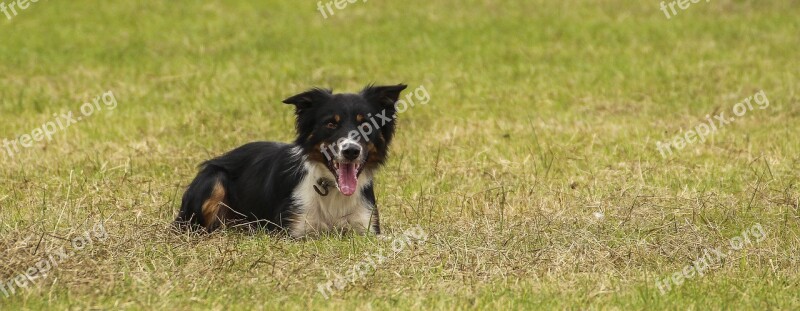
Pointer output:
542, 113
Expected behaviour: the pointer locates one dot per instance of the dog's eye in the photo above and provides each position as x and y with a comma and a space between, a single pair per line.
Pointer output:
365, 126
332, 125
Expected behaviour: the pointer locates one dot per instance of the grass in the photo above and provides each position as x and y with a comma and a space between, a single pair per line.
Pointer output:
543, 113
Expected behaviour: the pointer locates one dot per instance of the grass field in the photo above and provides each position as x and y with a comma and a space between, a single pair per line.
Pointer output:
533, 171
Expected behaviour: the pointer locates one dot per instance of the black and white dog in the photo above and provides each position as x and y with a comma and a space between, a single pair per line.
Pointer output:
342, 140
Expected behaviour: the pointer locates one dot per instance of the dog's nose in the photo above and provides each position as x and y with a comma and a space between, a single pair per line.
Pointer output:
351, 152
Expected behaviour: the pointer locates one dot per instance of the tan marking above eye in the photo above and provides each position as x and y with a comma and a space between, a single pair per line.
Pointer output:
337, 117
360, 118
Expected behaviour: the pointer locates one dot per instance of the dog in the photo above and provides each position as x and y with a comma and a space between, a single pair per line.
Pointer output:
322, 182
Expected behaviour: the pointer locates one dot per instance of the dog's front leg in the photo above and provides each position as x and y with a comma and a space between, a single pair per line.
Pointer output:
375, 221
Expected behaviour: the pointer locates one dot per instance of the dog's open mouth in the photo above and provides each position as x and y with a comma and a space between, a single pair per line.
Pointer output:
346, 176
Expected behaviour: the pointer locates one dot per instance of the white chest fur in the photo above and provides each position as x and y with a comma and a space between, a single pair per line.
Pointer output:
333, 212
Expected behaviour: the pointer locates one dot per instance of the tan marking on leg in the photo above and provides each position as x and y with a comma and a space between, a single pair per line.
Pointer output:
213, 207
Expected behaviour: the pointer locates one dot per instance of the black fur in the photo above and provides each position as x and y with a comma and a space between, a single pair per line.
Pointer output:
260, 178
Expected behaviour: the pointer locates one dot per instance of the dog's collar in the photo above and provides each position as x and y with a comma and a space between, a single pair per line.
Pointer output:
325, 184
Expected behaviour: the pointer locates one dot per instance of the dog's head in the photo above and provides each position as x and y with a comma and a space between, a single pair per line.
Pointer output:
347, 133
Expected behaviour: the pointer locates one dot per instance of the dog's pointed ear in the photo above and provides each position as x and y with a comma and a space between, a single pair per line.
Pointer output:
309, 98
386, 96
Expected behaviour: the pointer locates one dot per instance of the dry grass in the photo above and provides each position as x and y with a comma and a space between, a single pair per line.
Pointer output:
537, 123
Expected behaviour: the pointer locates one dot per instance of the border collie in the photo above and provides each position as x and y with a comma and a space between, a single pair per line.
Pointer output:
323, 182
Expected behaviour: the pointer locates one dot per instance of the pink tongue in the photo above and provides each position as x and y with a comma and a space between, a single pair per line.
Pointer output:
347, 179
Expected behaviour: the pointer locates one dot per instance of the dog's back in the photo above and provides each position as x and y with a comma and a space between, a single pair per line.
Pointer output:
267, 168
